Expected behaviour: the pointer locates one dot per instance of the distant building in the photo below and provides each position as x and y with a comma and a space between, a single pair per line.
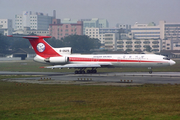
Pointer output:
111, 41
6, 26
34, 20
145, 31
170, 30
27, 31
94, 23
139, 45
60, 30
94, 33
99, 33
69, 21
170, 34
114, 43
125, 27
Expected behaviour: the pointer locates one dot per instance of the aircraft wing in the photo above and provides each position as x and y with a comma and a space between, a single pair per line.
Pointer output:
92, 65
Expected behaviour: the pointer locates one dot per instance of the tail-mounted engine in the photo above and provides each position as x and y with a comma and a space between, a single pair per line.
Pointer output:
57, 60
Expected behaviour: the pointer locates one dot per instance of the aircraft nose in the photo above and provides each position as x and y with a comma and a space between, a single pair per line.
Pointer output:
172, 62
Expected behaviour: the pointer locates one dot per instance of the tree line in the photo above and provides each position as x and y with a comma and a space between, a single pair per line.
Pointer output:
79, 43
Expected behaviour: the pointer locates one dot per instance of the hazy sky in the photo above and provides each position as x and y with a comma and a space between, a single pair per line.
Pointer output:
115, 11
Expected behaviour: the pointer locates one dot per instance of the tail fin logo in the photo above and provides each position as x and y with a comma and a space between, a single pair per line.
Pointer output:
41, 47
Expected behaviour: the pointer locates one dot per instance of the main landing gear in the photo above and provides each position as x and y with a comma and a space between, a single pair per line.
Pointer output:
82, 71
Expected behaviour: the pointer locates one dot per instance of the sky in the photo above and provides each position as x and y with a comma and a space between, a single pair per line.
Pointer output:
115, 11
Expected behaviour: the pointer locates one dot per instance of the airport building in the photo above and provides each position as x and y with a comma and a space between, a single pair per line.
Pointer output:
34, 20
60, 30
6, 26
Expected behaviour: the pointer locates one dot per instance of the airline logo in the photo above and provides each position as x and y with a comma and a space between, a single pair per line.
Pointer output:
41, 47
26, 13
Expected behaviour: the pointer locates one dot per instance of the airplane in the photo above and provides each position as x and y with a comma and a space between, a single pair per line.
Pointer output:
63, 58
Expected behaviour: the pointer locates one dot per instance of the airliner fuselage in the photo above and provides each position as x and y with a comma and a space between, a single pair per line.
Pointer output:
63, 58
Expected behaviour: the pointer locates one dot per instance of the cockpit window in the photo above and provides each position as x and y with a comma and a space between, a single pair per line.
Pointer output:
166, 58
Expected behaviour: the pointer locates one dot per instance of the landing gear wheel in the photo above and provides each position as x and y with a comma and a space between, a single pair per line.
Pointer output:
94, 71
80, 72
76, 72
88, 71
150, 70
83, 72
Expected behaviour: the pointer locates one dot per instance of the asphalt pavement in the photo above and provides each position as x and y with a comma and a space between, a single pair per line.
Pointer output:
117, 79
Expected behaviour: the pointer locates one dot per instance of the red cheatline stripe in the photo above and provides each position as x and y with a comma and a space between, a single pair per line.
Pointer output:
75, 59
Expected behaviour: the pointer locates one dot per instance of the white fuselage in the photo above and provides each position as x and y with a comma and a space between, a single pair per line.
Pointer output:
62, 58
113, 60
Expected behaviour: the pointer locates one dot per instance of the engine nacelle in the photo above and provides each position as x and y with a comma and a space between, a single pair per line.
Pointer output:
64, 51
57, 60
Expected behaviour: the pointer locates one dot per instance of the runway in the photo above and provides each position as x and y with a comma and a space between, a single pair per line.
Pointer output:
117, 79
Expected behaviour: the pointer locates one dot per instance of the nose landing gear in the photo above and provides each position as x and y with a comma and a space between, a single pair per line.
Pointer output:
150, 70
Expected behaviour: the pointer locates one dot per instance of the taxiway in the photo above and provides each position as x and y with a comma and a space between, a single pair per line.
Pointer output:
120, 79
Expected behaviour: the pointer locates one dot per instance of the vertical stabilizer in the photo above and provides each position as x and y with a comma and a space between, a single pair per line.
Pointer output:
41, 47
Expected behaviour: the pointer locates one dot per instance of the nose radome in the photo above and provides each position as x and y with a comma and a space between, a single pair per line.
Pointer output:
172, 62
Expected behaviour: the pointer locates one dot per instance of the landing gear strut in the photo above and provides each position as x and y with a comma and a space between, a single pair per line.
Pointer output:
150, 70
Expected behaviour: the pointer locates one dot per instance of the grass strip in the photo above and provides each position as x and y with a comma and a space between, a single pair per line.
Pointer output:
35, 101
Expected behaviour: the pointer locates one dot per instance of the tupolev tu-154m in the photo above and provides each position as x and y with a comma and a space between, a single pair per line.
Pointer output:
63, 58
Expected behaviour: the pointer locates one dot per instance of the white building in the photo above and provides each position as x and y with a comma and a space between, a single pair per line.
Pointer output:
94, 23
114, 43
145, 31
111, 41
170, 30
99, 33
165, 36
127, 28
94, 33
36, 21
139, 45
170, 34
6, 26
